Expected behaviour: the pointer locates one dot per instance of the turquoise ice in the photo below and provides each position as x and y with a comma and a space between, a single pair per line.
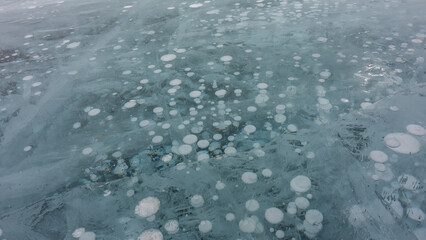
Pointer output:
214, 119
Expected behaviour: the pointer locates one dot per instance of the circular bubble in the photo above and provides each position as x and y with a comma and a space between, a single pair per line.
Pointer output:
147, 207
300, 184
407, 143
378, 156
416, 130
274, 215
225, 58
151, 234
249, 177
168, 57
205, 226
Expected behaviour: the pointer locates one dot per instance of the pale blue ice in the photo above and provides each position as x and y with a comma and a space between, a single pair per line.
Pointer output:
215, 119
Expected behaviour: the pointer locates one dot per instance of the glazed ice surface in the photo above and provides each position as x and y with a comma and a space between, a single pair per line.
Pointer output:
212, 119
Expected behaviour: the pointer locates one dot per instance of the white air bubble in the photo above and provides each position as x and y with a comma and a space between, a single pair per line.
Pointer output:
225, 58
300, 184
249, 177
220, 93
291, 208
175, 82
203, 144
94, 112
262, 85
87, 151
151, 234
167, 158
27, 78
168, 57
378, 156
130, 104
279, 118
274, 215
73, 45
292, 128
416, 214
325, 74
205, 226
157, 139
185, 149
196, 5
230, 217
280, 109
279, 234
380, 167
252, 205
267, 172
76, 125
195, 94
230, 151
301, 202
77, 232
158, 110
171, 226
249, 129
203, 157
190, 139
130, 193
402, 143
251, 109
220, 185
147, 207
144, 123
247, 225
217, 136
87, 236
314, 216
416, 130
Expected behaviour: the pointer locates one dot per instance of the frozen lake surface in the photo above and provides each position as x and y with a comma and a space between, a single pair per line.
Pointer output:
216, 119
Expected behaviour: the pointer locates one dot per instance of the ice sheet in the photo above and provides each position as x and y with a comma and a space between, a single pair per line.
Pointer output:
93, 120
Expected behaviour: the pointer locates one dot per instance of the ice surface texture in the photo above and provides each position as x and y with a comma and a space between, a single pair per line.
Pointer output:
212, 119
